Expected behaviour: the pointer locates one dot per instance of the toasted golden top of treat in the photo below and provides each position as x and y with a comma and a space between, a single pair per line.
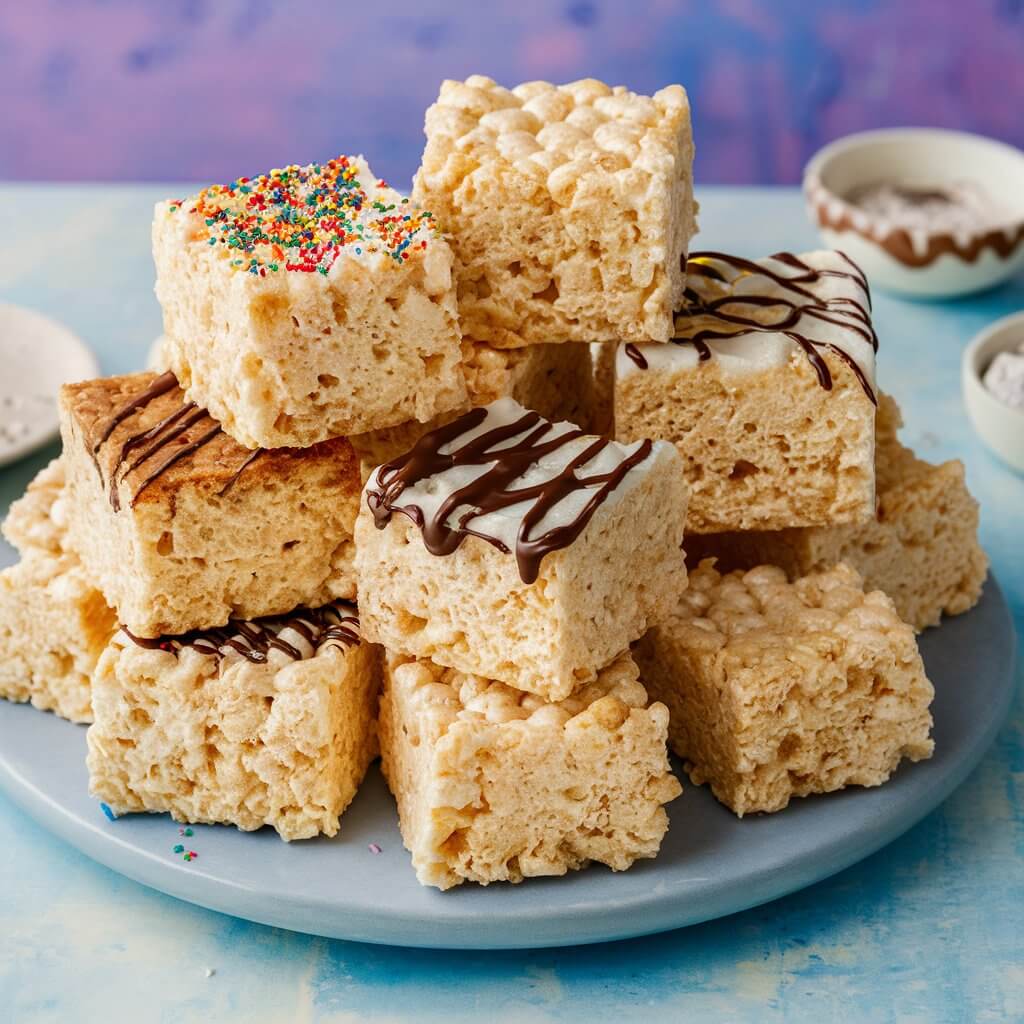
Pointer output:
147, 441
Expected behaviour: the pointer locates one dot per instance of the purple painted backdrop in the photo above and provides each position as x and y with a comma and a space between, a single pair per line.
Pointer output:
210, 89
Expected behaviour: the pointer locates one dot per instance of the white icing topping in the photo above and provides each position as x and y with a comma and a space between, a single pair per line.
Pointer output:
504, 524
749, 351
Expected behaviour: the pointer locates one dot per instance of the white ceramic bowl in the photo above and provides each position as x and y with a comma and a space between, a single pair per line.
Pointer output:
1001, 426
934, 262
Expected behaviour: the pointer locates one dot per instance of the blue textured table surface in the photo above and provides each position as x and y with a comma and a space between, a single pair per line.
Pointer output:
929, 930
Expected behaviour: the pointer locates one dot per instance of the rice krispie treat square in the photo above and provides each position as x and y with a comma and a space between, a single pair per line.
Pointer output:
780, 689
496, 785
554, 380
921, 547
38, 520
767, 389
182, 528
569, 208
520, 550
54, 625
307, 303
260, 723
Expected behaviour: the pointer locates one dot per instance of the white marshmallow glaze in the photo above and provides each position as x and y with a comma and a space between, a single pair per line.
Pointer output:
755, 351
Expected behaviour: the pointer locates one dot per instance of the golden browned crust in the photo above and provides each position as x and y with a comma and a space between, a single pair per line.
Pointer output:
88, 407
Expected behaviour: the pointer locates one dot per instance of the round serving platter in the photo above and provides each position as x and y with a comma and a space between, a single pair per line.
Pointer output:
361, 886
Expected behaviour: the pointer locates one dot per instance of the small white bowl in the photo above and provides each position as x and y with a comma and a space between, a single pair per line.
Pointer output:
1001, 426
936, 261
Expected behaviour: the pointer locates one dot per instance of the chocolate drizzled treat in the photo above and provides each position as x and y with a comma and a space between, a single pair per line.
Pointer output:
520, 550
778, 690
569, 207
481, 477
182, 528
921, 547
308, 303
54, 623
267, 722
494, 784
767, 390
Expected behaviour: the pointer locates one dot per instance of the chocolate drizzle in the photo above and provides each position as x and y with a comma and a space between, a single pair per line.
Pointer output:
159, 386
241, 469
504, 453
170, 437
796, 302
634, 353
336, 623
175, 456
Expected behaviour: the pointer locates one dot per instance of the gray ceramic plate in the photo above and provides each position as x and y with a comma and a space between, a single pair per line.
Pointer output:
710, 865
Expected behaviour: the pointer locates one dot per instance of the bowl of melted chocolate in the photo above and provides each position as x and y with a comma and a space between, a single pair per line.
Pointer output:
925, 212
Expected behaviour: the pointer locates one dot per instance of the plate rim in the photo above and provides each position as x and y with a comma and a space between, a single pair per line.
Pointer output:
590, 922
76, 343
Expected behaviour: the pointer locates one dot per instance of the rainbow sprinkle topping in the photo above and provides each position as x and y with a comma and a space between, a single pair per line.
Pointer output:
301, 218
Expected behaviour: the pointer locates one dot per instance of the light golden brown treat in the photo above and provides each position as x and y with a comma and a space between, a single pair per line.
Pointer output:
520, 550
265, 723
554, 380
767, 391
221, 531
569, 208
37, 521
496, 785
53, 627
780, 689
290, 339
921, 548
53, 622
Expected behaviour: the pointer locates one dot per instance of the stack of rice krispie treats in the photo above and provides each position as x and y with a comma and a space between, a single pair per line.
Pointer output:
505, 565
322, 331
797, 671
415, 476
